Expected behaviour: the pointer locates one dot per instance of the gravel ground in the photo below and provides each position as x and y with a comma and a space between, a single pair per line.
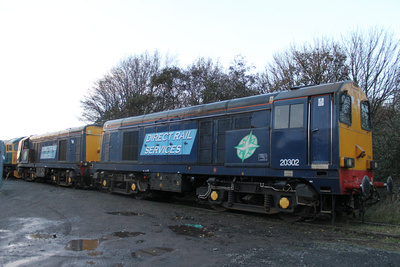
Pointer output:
44, 225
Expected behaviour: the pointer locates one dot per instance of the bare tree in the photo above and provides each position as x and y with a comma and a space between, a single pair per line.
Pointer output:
102, 101
168, 89
241, 80
126, 91
317, 63
374, 61
204, 80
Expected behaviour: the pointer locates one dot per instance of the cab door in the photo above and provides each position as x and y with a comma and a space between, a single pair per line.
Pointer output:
321, 129
71, 150
114, 147
289, 134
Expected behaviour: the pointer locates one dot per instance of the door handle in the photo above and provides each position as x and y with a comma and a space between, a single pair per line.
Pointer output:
315, 130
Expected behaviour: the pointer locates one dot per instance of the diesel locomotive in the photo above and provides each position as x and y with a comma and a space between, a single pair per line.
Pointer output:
10, 157
61, 157
305, 152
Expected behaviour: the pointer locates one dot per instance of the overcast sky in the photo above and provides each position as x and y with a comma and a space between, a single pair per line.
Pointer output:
52, 52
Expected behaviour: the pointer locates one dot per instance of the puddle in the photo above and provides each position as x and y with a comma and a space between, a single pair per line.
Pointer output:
41, 236
92, 244
192, 230
151, 252
125, 213
83, 244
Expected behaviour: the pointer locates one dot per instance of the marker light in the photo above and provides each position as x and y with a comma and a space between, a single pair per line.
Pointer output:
372, 165
347, 162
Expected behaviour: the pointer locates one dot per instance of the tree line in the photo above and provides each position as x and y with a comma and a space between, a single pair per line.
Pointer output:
147, 83
151, 82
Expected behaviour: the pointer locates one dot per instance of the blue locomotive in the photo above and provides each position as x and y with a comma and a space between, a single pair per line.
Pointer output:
305, 152
61, 157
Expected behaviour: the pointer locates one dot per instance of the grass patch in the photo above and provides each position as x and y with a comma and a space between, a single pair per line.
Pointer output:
386, 211
358, 227
385, 217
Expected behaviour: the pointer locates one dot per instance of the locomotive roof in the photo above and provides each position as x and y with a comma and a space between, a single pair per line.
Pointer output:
312, 90
65, 132
12, 141
226, 107
232, 106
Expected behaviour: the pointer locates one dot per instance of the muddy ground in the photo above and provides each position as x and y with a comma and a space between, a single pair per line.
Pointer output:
44, 225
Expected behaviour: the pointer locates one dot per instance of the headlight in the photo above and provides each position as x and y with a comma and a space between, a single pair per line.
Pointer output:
347, 162
372, 165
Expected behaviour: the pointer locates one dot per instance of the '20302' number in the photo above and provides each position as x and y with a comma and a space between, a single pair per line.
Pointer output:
289, 162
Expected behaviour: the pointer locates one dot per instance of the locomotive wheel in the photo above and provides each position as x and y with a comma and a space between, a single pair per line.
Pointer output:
140, 196
218, 208
105, 186
290, 217
299, 216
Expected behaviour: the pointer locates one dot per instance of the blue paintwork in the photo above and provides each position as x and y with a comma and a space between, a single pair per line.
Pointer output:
71, 149
320, 129
115, 147
290, 143
260, 157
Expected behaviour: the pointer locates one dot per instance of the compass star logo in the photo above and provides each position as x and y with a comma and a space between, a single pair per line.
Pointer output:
247, 146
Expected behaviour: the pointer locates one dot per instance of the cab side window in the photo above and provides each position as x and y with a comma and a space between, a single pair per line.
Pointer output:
345, 108
289, 116
282, 117
365, 116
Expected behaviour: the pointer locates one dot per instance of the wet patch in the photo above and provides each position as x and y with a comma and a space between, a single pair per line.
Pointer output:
126, 234
41, 236
83, 244
95, 253
125, 213
92, 244
193, 230
151, 252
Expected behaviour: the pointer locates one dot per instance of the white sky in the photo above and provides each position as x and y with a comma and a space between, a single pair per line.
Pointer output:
52, 52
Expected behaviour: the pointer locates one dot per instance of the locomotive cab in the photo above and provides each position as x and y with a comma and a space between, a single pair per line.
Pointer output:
355, 133
357, 164
10, 162
318, 158
327, 130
